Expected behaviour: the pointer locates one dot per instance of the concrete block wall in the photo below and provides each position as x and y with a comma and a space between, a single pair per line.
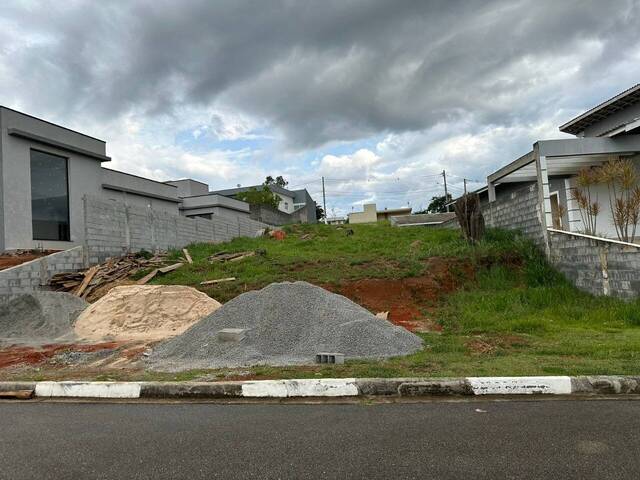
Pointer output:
34, 275
114, 228
273, 216
599, 267
516, 210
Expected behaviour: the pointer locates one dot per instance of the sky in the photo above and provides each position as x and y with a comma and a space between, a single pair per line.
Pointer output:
379, 97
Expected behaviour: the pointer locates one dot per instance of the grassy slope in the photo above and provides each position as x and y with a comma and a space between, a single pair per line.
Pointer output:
508, 321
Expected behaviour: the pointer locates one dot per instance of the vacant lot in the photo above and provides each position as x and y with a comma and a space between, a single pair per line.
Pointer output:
496, 308
492, 309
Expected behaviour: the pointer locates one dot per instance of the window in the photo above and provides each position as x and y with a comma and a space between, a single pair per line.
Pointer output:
49, 197
286, 205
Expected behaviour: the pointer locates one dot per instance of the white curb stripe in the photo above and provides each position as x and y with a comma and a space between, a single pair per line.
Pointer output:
330, 387
520, 385
88, 389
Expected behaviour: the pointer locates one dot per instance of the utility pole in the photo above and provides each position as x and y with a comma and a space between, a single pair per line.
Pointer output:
324, 203
446, 194
465, 186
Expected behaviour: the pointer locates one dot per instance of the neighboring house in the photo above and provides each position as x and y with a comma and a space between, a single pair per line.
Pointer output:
297, 203
535, 194
47, 170
550, 169
336, 220
370, 214
435, 220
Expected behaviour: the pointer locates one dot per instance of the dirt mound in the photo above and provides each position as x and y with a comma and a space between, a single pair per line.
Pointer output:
283, 324
408, 300
144, 312
39, 317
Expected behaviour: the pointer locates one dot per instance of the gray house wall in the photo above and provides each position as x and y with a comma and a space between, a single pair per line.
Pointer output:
612, 121
139, 191
84, 176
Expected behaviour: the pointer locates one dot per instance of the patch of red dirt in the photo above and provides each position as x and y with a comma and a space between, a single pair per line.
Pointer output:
20, 355
8, 260
408, 300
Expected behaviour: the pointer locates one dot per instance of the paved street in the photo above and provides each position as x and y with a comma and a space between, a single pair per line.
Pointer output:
444, 440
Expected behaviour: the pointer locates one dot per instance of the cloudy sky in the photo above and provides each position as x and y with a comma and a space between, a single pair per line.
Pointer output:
377, 96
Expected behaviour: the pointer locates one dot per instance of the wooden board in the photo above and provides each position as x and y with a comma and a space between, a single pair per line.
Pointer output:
186, 255
170, 268
147, 277
218, 280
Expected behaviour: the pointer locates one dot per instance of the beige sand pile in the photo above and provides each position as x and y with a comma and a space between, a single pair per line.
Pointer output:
144, 312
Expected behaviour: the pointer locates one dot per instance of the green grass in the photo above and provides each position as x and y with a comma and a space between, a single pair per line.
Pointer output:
330, 256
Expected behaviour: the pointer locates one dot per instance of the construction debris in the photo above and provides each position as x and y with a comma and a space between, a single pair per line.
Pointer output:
144, 312
83, 284
383, 315
187, 256
284, 324
219, 280
170, 268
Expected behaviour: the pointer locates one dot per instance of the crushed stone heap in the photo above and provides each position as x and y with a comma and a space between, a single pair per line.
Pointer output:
283, 324
40, 317
144, 312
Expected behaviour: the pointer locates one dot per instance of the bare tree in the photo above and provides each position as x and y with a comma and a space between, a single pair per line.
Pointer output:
470, 217
587, 202
621, 179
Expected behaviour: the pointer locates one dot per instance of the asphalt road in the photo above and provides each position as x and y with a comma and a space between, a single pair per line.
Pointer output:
493, 440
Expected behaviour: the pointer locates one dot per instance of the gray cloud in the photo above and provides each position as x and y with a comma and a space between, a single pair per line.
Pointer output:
321, 71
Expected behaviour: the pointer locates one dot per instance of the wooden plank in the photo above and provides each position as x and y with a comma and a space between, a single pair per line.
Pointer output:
241, 257
88, 276
170, 268
218, 280
147, 277
186, 255
19, 394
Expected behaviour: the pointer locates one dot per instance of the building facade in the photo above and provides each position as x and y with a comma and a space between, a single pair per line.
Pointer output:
46, 171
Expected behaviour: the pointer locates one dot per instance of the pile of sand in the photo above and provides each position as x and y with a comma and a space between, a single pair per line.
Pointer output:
40, 317
283, 324
144, 312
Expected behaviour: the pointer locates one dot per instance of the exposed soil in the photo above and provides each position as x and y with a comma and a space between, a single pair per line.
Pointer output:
8, 260
29, 356
409, 301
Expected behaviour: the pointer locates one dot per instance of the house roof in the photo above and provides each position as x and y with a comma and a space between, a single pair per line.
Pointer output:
629, 97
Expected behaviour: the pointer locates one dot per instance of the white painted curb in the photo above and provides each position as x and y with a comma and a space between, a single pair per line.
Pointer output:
520, 385
329, 387
88, 389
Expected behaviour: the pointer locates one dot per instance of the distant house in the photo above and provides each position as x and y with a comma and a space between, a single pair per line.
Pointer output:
291, 201
336, 220
370, 214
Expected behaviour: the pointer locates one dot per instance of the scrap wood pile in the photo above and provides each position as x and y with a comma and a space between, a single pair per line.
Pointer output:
84, 284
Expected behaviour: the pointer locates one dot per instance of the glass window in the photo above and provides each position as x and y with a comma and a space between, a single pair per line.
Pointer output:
49, 197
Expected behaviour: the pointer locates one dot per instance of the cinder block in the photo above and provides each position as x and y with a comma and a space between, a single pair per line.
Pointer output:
337, 358
231, 334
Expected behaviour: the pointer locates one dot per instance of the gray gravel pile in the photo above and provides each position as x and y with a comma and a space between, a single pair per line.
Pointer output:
39, 317
286, 324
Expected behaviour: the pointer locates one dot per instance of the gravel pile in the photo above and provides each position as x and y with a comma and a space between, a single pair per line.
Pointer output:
40, 317
285, 324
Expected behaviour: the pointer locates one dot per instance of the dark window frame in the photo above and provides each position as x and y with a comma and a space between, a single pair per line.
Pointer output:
66, 168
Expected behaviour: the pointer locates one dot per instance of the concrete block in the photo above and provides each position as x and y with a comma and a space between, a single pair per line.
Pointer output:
337, 358
231, 334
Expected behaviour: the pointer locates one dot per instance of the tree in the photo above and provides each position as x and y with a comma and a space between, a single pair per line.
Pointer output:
319, 212
438, 204
279, 181
264, 196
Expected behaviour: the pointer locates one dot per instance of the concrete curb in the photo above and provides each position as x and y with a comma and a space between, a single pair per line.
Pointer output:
336, 387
